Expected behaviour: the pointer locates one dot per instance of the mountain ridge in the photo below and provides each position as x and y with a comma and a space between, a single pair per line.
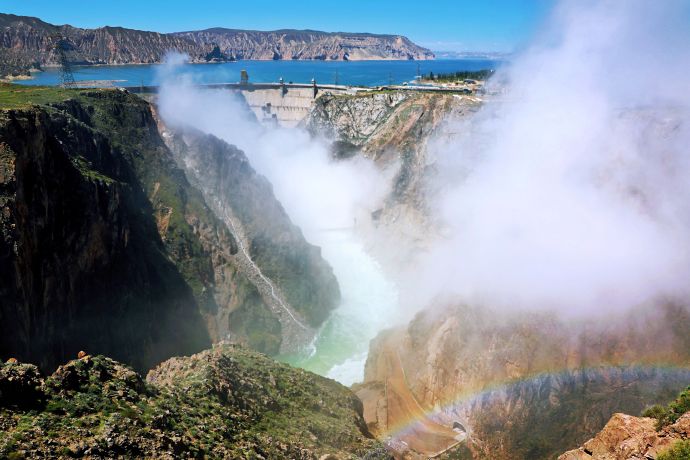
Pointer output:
27, 43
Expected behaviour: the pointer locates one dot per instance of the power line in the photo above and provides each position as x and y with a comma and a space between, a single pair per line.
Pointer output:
62, 47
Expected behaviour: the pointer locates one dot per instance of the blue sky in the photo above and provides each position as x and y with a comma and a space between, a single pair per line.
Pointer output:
455, 25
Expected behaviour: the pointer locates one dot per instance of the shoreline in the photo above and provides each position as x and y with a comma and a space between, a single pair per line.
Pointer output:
55, 66
9, 79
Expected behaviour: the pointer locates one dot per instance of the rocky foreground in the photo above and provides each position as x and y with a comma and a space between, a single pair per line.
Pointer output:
663, 435
227, 402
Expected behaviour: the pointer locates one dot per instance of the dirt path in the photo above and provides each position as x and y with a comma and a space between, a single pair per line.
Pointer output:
294, 332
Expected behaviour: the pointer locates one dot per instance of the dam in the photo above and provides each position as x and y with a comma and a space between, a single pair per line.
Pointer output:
288, 104
281, 104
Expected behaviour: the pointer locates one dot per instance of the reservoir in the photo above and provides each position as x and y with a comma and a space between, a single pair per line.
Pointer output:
356, 73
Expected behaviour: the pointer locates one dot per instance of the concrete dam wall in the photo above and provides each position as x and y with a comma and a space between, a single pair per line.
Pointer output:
286, 105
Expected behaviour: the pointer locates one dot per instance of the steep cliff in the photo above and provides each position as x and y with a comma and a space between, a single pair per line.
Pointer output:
394, 128
299, 278
227, 402
106, 245
81, 260
523, 386
27, 42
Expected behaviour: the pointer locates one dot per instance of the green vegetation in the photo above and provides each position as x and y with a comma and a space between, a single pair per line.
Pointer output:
459, 76
110, 138
227, 402
127, 123
21, 96
679, 451
87, 170
255, 321
670, 414
103, 151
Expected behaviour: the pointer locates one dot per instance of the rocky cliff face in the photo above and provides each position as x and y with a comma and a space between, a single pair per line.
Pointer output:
227, 402
27, 42
526, 386
106, 245
538, 417
81, 258
272, 248
394, 129
308, 44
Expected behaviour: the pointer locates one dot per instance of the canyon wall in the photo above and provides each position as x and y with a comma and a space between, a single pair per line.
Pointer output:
529, 385
394, 128
107, 246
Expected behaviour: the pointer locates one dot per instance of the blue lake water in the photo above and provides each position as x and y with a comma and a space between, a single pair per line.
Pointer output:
366, 73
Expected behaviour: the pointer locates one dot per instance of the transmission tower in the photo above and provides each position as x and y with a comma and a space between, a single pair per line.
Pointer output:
62, 48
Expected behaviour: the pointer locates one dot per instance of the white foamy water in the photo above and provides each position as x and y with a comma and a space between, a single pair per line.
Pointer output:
351, 371
368, 305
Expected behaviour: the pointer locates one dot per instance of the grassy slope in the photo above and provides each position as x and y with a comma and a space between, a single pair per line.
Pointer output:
18, 96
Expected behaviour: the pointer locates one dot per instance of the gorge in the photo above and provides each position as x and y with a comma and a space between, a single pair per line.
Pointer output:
468, 270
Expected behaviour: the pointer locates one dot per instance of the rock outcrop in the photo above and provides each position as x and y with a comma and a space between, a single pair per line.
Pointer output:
525, 386
81, 260
227, 402
626, 437
636, 438
663, 433
28, 42
105, 245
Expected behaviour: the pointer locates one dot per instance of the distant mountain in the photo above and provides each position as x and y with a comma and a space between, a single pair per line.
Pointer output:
471, 55
308, 44
27, 42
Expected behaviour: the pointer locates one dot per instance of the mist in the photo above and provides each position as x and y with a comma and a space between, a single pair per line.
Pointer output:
567, 191
570, 190
330, 200
318, 193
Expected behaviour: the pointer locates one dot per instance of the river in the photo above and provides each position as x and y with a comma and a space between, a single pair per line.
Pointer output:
369, 303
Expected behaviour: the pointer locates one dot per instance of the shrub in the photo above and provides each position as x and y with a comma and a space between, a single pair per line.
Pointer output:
669, 414
679, 451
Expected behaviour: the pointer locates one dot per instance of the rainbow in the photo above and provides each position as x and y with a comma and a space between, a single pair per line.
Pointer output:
436, 424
